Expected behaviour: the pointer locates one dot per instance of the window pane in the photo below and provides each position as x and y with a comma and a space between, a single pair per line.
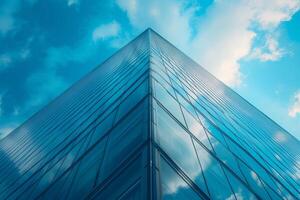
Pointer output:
196, 128
173, 186
240, 190
226, 156
168, 102
129, 183
177, 143
217, 183
121, 144
254, 181
125, 138
86, 173
130, 101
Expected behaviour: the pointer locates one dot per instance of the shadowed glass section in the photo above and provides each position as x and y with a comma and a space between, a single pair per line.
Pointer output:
78, 144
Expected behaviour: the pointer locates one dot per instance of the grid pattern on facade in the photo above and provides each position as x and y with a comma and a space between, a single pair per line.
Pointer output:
75, 146
222, 145
149, 123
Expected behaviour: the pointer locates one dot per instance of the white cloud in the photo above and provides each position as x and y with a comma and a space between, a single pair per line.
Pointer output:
166, 16
46, 82
47, 85
5, 60
223, 39
270, 51
270, 15
6, 24
224, 35
16, 111
105, 31
8, 9
7, 19
72, 2
294, 109
25, 53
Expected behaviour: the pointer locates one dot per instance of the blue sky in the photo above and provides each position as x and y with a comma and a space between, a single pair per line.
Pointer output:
254, 47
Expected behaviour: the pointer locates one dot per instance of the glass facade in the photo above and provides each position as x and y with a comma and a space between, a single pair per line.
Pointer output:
149, 123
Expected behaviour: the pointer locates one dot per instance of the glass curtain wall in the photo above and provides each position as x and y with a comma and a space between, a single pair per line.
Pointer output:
149, 123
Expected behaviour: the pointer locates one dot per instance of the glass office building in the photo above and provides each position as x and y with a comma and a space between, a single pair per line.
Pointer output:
149, 123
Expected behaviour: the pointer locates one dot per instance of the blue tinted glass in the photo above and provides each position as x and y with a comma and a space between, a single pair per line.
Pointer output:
240, 190
196, 128
130, 101
93, 139
87, 173
130, 181
226, 156
177, 143
216, 180
173, 186
168, 101
254, 181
